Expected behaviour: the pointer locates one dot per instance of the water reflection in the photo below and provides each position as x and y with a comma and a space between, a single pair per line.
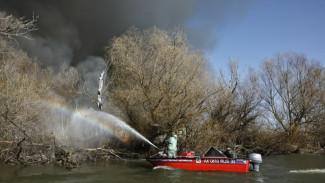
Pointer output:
288, 168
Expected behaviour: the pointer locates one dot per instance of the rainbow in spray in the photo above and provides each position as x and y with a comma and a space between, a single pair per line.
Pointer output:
109, 123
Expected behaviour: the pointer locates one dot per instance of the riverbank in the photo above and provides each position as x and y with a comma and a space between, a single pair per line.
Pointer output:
26, 154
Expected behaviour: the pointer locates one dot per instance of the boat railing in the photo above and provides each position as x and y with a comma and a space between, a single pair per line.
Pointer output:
187, 156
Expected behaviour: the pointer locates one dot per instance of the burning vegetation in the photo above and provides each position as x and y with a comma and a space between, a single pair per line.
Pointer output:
157, 83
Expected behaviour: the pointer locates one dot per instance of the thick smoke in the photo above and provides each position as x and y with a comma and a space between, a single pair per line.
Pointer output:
71, 30
74, 32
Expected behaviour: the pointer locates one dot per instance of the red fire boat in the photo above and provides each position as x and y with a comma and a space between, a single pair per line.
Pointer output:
212, 160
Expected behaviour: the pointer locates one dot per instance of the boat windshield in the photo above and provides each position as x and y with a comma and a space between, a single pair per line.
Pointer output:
212, 152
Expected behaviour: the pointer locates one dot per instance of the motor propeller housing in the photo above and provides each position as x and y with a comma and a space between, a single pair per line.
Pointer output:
255, 160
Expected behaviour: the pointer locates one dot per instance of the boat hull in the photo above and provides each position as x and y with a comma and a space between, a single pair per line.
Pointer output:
203, 164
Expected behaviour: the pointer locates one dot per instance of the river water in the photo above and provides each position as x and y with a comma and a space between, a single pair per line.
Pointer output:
283, 168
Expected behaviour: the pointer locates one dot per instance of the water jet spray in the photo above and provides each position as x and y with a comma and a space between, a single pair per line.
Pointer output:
104, 119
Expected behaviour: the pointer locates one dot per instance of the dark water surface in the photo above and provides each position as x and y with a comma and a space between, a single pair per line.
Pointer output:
284, 168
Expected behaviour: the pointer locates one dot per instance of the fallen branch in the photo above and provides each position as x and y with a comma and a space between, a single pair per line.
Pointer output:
20, 148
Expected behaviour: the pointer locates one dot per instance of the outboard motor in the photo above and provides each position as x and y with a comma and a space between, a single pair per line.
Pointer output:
254, 161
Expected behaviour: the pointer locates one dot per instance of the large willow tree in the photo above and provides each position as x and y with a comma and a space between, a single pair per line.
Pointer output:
159, 81
292, 89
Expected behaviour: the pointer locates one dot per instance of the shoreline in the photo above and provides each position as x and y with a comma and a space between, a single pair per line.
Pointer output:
75, 157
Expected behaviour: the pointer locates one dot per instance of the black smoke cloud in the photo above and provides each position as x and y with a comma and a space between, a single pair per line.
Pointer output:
71, 30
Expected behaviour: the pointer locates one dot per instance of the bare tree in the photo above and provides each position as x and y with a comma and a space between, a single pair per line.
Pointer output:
159, 81
234, 110
291, 93
66, 82
12, 28
23, 88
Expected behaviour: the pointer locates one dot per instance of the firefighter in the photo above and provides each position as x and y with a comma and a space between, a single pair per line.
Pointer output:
171, 143
230, 153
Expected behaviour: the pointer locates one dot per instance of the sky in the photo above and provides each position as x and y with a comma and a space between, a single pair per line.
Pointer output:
244, 31
269, 27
